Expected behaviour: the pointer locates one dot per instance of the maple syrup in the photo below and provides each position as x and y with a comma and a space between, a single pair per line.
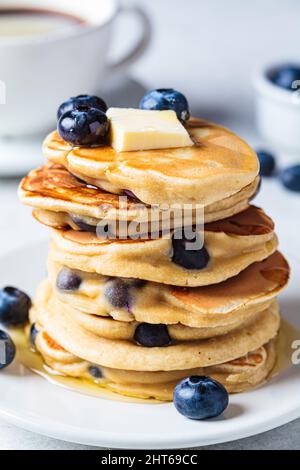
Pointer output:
32, 360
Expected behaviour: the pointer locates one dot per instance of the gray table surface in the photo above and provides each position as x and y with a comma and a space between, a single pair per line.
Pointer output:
207, 49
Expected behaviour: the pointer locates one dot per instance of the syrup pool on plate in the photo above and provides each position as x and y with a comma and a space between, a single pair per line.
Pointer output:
29, 358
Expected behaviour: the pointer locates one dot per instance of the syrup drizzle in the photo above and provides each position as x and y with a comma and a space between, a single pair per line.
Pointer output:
29, 358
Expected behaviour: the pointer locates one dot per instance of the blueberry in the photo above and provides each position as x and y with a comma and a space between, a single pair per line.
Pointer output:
200, 398
7, 350
84, 126
95, 372
117, 293
167, 98
81, 100
290, 178
150, 336
14, 306
267, 163
68, 280
185, 256
285, 76
83, 225
33, 333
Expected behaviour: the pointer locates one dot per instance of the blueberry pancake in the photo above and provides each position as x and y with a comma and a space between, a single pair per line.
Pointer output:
239, 375
210, 310
61, 200
140, 355
71, 349
217, 166
230, 246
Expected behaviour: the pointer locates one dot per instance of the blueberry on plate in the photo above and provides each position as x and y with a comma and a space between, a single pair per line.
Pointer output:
84, 126
267, 163
164, 99
7, 350
285, 75
14, 306
199, 397
185, 256
151, 336
290, 178
68, 280
81, 100
117, 293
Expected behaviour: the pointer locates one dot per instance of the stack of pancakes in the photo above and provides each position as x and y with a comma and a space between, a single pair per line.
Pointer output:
124, 312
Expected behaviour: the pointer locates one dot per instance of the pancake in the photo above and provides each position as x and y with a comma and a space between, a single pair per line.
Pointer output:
219, 165
216, 308
240, 375
58, 198
112, 329
126, 355
232, 245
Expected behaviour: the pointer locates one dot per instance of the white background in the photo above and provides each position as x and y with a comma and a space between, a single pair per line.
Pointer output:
208, 49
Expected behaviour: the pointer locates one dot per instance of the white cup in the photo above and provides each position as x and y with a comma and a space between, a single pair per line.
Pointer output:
38, 72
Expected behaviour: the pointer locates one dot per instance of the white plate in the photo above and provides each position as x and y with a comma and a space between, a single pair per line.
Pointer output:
33, 403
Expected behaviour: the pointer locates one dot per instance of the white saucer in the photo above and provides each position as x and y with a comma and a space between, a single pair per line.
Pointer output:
18, 156
33, 403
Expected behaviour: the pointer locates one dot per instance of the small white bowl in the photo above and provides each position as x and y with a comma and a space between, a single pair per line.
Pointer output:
277, 111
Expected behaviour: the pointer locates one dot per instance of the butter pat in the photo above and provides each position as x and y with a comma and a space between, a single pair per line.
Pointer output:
139, 129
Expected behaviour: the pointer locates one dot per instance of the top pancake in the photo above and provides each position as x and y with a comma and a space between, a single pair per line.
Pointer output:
219, 165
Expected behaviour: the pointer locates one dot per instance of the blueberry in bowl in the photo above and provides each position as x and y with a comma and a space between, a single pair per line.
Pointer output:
290, 178
74, 102
7, 349
199, 397
267, 163
285, 76
14, 306
163, 99
84, 126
